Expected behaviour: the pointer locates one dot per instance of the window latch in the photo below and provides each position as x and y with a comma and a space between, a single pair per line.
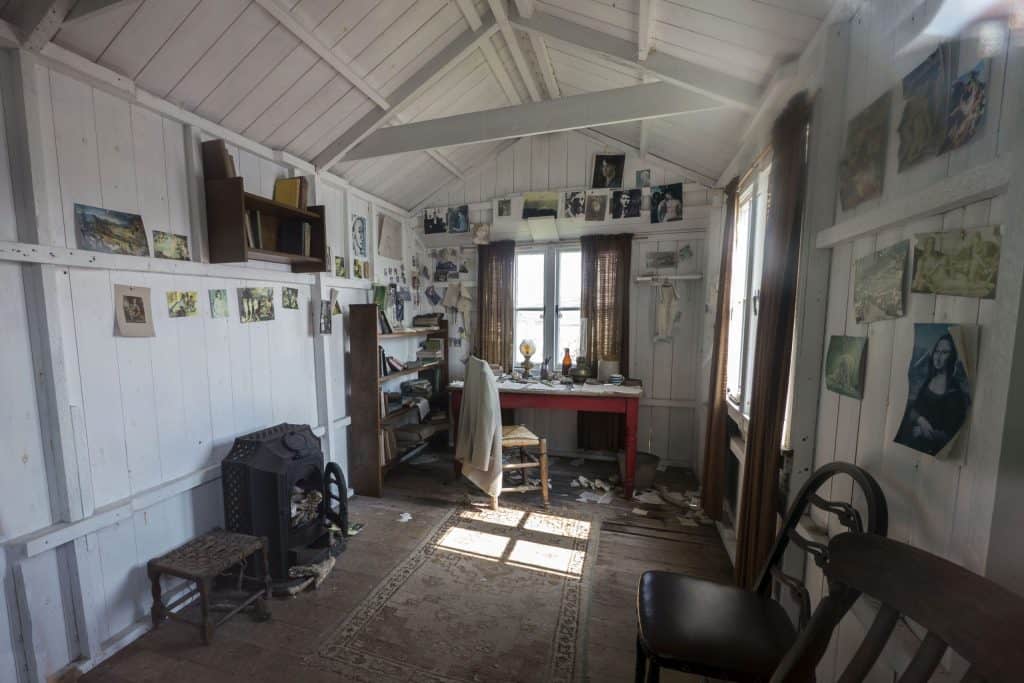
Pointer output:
757, 297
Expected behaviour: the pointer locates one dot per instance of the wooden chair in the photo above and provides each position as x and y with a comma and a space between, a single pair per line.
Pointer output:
521, 438
977, 619
725, 632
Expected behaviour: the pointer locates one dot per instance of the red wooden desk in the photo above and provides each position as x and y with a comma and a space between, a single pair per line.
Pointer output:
590, 400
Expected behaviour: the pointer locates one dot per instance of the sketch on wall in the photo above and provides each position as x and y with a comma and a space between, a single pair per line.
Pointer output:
389, 237
182, 304
218, 303
878, 284
359, 248
608, 170
958, 263
967, 103
844, 365
667, 203
626, 204
169, 245
939, 394
113, 232
574, 205
132, 311
925, 95
862, 170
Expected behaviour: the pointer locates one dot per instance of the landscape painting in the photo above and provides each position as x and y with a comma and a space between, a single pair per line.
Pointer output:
878, 284
169, 245
844, 365
958, 263
862, 170
256, 304
110, 231
540, 204
182, 304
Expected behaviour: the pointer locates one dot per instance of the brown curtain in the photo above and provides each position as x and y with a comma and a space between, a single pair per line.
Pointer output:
760, 498
605, 306
716, 446
496, 315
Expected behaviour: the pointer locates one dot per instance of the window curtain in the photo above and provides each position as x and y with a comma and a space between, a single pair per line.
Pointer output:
604, 305
716, 437
496, 316
760, 497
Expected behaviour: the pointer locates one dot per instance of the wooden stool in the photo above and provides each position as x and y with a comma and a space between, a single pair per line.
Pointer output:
518, 436
202, 560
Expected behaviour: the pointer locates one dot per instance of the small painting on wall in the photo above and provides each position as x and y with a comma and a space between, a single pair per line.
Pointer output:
113, 232
626, 203
958, 263
643, 178
339, 267
218, 303
540, 204
862, 170
667, 203
182, 304
359, 248
357, 269
435, 221
925, 93
574, 205
878, 284
132, 313
389, 237
662, 259
597, 206
844, 365
326, 324
458, 219
289, 297
938, 389
504, 208
967, 103
169, 245
256, 304
608, 170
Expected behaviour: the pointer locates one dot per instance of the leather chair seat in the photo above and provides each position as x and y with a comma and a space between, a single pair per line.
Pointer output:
703, 627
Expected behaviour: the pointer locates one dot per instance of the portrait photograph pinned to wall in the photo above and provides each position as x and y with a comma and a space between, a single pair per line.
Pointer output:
504, 208
540, 204
925, 96
169, 245
289, 297
667, 203
132, 313
608, 170
968, 99
113, 232
939, 388
844, 365
218, 303
574, 205
359, 237
326, 324
878, 284
435, 221
182, 304
597, 206
862, 170
458, 219
626, 203
643, 178
256, 304
958, 263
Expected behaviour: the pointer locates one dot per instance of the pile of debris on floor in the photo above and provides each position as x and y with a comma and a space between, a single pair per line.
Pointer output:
662, 503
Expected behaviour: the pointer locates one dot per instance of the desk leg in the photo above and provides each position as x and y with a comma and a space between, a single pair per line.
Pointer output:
454, 403
632, 408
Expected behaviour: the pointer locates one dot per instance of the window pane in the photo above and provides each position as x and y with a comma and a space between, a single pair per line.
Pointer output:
757, 232
529, 325
530, 281
738, 299
570, 279
568, 336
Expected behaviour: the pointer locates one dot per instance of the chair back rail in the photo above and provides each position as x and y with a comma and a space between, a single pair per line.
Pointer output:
978, 619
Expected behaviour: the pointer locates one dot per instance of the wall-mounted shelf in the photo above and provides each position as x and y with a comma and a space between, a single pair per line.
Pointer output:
413, 332
408, 371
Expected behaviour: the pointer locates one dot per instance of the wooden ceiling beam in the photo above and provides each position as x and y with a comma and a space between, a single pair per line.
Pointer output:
645, 28
509, 34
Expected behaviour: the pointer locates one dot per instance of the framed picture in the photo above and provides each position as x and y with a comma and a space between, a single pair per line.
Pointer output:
435, 221
597, 206
458, 219
643, 178
608, 170
878, 284
667, 203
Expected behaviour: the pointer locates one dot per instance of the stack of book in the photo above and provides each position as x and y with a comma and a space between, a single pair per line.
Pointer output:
430, 350
389, 364
427, 320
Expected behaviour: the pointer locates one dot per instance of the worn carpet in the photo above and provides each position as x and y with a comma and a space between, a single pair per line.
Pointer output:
488, 596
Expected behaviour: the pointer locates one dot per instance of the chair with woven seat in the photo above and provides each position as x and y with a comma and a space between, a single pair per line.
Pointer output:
725, 632
520, 438
962, 611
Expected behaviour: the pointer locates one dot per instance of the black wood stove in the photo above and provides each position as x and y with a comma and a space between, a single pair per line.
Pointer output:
275, 485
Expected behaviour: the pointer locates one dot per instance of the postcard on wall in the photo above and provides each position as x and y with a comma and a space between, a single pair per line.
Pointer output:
182, 304
667, 203
608, 170
132, 311
113, 232
643, 178
504, 208
339, 266
326, 324
925, 95
359, 237
435, 221
574, 205
458, 219
597, 206
958, 263
169, 245
289, 297
878, 284
218, 303
967, 103
389, 237
540, 204
862, 170
938, 389
844, 365
626, 203
661, 259
256, 304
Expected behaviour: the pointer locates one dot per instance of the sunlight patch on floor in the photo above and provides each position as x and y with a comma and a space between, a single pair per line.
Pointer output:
558, 526
502, 516
474, 542
562, 561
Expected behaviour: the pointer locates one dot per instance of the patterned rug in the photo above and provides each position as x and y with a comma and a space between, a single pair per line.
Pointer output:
488, 596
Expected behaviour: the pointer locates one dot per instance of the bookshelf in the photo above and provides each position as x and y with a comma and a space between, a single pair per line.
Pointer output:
228, 205
366, 434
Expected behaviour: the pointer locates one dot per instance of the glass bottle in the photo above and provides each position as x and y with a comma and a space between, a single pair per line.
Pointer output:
566, 363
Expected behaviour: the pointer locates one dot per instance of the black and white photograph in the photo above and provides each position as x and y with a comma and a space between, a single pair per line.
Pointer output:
597, 206
132, 312
458, 219
504, 208
643, 177
608, 170
435, 221
540, 204
626, 204
359, 248
574, 205
667, 203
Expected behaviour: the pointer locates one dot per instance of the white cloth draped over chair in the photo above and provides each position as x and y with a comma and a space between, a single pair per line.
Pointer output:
478, 447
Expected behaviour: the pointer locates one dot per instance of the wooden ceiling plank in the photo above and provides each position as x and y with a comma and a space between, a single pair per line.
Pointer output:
644, 28
509, 34
547, 71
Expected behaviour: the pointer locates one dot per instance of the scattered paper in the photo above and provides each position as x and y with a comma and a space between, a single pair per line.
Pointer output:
598, 484
354, 528
649, 497
574, 484
638, 511
591, 497
404, 517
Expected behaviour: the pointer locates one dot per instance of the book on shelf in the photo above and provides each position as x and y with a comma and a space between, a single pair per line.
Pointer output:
427, 320
250, 234
384, 368
395, 364
383, 324
291, 191
429, 355
289, 237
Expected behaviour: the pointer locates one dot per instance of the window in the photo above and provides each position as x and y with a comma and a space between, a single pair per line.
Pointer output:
745, 285
548, 283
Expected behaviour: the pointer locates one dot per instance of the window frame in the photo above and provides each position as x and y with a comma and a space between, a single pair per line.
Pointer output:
550, 310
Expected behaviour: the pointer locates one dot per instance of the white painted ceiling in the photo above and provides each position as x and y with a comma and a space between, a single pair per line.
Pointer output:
232, 62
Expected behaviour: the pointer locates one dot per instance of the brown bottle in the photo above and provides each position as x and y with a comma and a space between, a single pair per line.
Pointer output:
566, 363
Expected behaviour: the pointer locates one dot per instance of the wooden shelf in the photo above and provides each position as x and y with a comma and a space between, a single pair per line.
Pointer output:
280, 257
417, 332
271, 208
395, 414
409, 371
